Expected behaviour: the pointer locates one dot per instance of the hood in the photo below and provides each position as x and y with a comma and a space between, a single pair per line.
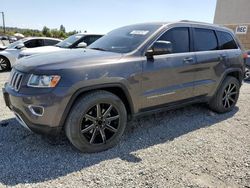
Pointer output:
42, 49
68, 59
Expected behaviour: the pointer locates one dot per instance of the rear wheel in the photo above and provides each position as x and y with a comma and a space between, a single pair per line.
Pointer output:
227, 96
96, 122
4, 64
247, 74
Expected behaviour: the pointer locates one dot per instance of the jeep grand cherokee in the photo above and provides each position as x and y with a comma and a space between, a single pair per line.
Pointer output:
90, 94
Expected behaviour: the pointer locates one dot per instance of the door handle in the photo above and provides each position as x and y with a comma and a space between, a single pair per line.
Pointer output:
188, 60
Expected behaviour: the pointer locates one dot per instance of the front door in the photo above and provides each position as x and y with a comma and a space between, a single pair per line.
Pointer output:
169, 78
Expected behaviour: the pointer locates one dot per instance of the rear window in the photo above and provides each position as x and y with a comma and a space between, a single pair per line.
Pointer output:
49, 42
226, 41
205, 40
90, 39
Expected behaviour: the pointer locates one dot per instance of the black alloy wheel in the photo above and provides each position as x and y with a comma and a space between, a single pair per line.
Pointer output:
226, 96
230, 96
96, 122
100, 123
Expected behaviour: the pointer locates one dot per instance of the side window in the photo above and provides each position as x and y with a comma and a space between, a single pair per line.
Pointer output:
179, 37
226, 41
205, 40
86, 40
33, 43
90, 39
48, 42
94, 38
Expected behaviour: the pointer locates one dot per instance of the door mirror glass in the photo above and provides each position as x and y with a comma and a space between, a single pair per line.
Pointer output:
159, 48
82, 45
20, 46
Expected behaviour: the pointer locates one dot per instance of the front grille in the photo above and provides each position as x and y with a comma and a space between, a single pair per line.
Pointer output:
15, 80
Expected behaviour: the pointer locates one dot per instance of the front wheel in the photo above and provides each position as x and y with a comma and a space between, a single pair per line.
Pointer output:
4, 64
227, 95
96, 122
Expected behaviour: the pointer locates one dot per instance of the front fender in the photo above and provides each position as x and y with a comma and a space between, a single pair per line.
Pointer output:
85, 87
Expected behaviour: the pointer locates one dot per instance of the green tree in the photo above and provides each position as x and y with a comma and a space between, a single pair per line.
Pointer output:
46, 31
72, 33
34, 32
28, 33
62, 29
54, 33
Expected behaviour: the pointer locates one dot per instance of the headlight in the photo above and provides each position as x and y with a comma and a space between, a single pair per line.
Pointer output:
43, 81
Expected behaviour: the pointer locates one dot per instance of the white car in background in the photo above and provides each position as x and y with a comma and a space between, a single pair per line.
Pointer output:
9, 55
2, 47
80, 40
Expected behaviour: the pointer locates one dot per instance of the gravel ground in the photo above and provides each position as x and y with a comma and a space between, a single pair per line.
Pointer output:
188, 147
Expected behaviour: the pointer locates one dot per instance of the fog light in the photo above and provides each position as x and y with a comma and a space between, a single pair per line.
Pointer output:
36, 110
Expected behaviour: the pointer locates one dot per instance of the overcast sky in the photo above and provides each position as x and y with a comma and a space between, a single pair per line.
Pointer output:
102, 15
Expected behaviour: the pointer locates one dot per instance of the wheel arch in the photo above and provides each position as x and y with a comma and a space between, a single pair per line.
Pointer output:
1, 55
234, 72
117, 89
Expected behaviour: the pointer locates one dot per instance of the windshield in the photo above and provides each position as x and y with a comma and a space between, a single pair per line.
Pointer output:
69, 41
125, 39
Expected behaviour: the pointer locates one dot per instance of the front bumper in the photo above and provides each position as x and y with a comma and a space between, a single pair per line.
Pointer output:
48, 122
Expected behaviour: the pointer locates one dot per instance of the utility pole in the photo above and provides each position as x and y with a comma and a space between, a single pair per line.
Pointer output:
3, 21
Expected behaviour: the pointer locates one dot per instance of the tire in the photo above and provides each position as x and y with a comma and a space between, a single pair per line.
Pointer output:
247, 74
227, 96
90, 133
4, 64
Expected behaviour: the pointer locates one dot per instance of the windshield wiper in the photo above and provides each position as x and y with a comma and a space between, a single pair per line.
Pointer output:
101, 49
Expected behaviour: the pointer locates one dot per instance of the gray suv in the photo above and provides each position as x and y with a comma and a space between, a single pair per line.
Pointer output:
91, 94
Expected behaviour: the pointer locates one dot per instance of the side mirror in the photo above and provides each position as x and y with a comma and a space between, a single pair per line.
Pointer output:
20, 46
159, 48
82, 45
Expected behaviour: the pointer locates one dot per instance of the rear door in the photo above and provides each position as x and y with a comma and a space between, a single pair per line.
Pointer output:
169, 78
229, 45
208, 59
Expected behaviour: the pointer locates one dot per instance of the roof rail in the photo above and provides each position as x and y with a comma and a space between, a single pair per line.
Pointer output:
193, 21
218, 25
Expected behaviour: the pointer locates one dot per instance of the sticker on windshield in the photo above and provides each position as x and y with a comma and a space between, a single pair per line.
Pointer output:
139, 32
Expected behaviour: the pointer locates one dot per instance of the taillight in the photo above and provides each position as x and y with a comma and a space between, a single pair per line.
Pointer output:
245, 55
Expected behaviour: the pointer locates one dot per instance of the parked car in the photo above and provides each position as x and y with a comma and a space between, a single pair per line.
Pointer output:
4, 42
2, 46
80, 40
4, 38
12, 39
134, 70
247, 69
9, 55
